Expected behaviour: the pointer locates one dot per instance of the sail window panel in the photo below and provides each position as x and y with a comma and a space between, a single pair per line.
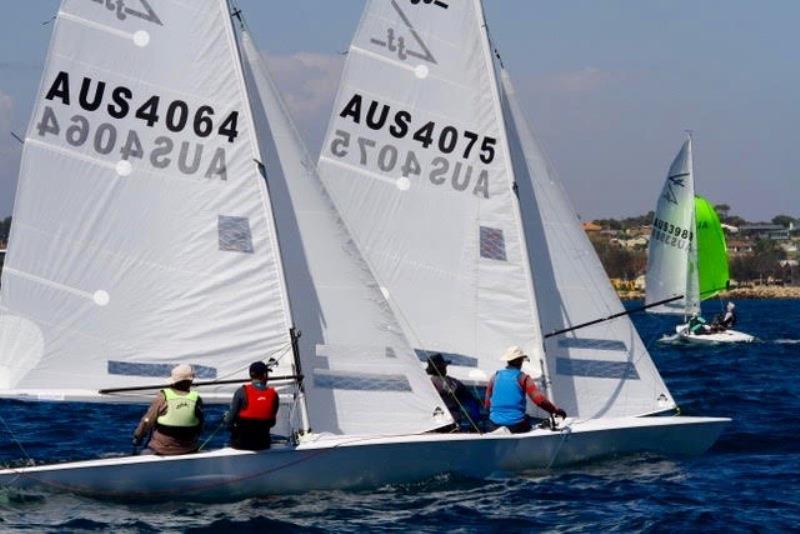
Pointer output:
493, 244
596, 368
155, 370
361, 381
234, 234
594, 344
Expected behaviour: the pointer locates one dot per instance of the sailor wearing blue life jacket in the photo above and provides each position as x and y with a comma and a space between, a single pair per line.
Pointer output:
253, 411
507, 392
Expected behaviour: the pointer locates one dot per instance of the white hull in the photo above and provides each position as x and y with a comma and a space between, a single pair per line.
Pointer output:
353, 462
728, 336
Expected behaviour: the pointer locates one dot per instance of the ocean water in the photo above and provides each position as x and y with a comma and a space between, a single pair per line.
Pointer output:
748, 482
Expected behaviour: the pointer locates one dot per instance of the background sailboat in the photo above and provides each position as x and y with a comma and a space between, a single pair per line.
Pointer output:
687, 255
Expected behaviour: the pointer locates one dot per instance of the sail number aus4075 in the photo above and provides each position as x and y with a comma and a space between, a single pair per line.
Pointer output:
400, 124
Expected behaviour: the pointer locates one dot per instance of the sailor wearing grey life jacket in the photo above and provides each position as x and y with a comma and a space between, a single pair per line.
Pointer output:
175, 417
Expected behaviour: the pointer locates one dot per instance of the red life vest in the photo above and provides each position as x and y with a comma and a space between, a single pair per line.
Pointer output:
262, 404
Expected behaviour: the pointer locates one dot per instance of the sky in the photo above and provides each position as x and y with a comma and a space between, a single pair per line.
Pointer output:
609, 87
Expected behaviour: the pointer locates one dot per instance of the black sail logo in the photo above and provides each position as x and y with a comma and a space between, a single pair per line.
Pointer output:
398, 42
141, 9
676, 180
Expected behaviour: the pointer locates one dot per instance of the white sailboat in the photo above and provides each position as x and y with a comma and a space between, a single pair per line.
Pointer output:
687, 257
217, 244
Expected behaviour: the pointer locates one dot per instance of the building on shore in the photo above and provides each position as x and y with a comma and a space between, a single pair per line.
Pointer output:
773, 232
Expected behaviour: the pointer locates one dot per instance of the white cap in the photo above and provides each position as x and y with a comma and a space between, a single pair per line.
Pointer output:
513, 353
731, 305
181, 373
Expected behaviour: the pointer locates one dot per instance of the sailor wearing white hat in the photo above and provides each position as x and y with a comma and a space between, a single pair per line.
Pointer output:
175, 417
507, 392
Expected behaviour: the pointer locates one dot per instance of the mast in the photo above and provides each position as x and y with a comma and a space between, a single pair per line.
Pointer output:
692, 276
269, 214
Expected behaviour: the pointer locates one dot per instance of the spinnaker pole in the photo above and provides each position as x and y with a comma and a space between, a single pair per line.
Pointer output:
614, 316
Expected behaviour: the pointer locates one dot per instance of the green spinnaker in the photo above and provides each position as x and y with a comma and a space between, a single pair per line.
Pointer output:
712, 251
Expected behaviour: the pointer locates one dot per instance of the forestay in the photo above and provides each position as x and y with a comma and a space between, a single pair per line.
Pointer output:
143, 235
671, 255
599, 371
361, 374
416, 161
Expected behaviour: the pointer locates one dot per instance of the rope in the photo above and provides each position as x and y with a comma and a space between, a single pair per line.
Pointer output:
221, 424
461, 407
565, 432
27, 456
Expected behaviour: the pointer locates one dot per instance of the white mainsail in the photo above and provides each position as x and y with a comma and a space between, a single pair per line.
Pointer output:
416, 161
486, 295
143, 235
598, 371
672, 255
361, 374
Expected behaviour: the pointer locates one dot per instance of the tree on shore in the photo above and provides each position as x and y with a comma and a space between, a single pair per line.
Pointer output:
619, 262
759, 264
783, 220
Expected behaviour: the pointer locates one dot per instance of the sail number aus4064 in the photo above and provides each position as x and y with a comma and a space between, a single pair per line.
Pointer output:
120, 103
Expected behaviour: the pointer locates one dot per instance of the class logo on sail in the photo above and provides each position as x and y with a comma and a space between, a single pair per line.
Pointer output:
397, 41
123, 11
676, 180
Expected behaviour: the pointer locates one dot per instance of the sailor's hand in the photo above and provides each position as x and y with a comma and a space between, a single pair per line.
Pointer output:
560, 413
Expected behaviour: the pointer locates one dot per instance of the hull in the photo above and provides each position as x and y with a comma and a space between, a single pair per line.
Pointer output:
353, 462
728, 336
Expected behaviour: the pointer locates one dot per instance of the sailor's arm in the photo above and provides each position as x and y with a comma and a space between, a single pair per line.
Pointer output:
276, 408
237, 403
149, 420
533, 393
487, 400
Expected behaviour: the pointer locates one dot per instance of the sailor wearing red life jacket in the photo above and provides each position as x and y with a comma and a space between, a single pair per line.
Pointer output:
253, 411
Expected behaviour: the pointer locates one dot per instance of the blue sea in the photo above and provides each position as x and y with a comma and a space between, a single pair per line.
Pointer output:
748, 482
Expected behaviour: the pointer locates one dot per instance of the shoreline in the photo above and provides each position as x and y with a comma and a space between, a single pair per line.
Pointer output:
741, 293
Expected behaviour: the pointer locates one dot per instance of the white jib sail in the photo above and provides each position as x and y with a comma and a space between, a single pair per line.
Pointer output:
143, 235
362, 376
599, 371
671, 259
416, 161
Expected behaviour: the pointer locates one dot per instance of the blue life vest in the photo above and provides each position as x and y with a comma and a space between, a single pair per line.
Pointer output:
508, 400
